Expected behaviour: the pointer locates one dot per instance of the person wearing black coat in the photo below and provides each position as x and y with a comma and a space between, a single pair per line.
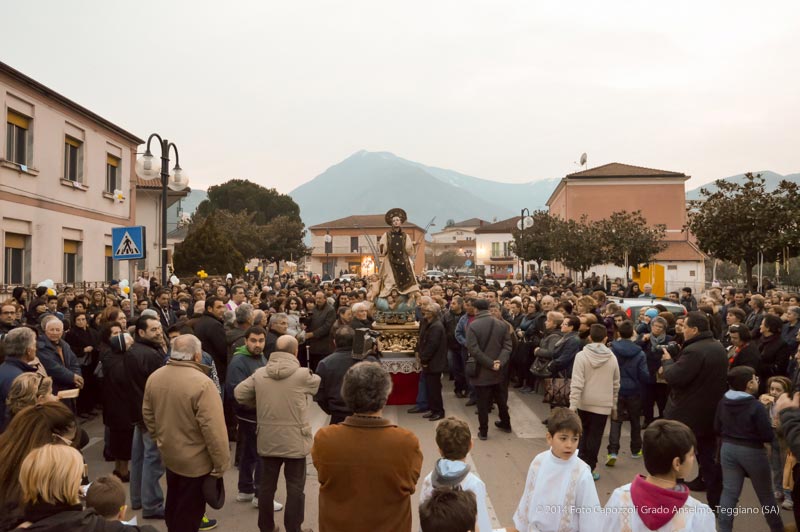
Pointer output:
118, 400
773, 350
698, 380
456, 362
743, 351
432, 348
318, 331
73, 518
144, 357
566, 348
331, 370
210, 330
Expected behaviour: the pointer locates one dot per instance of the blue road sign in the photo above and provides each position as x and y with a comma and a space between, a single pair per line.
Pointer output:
467, 263
127, 243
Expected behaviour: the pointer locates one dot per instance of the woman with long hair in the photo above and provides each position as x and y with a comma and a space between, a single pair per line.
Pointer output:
31, 428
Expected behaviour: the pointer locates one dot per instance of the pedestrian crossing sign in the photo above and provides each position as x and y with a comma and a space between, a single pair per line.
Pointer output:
127, 243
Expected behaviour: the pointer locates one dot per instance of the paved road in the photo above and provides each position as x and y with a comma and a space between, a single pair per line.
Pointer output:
502, 462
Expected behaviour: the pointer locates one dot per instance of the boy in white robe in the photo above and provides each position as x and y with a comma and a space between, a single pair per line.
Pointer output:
560, 495
658, 501
454, 440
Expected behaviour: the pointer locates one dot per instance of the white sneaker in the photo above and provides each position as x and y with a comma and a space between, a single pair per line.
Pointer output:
244, 497
276, 506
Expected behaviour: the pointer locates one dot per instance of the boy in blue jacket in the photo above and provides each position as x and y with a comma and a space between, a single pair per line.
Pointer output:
744, 427
633, 374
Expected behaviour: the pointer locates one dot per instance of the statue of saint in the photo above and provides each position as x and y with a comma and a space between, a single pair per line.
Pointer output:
397, 277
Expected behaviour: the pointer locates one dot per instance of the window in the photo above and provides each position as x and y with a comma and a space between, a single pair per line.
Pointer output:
109, 264
71, 260
496, 249
353, 244
112, 174
17, 130
14, 259
672, 267
73, 159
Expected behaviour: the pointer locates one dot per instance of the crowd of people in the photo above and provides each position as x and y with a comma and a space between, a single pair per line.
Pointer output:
180, 372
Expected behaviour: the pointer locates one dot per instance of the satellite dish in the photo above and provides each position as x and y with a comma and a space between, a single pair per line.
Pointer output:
583, 158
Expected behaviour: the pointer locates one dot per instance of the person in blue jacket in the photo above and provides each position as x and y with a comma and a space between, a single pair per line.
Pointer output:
633, 375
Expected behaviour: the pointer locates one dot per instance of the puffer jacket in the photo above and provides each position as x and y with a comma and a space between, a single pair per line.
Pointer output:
280, 392
632, 367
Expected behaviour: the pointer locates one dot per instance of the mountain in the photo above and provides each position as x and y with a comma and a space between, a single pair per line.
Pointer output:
771, 180
373, 182
189, 203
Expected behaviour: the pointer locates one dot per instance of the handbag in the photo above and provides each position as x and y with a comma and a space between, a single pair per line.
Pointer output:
541, 367
471, 365
556, 391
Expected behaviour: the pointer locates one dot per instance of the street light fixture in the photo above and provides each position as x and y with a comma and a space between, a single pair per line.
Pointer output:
147, 168
328, 249
525, 222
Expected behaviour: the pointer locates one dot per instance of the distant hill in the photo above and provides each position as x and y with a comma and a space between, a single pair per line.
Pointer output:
373, 182
189, 203
771, 180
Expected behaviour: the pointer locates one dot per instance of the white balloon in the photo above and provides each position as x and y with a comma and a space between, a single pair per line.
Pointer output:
174, 280
123, 283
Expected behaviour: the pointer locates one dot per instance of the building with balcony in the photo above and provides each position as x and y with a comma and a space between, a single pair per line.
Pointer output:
493, 250
354, 245
459, 238
65, 182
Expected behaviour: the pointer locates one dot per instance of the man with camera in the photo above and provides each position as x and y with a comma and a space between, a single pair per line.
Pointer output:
697, 381
331, 370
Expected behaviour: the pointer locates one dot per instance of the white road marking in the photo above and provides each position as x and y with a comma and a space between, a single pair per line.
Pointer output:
524, 421
92, 441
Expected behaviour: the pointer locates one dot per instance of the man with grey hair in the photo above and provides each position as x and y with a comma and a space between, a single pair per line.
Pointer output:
279, 392
278, 326
235, 335
432, 348
354, 465
260, 318
182, 410
19, 346
422, 404
57, 357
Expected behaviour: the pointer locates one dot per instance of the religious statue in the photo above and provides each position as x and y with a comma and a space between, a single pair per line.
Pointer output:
398, 287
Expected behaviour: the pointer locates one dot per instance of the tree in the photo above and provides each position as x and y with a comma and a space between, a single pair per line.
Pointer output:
538, 243
239, 195
450, 260
579, 246
207, 248
739, 221
628, 240
283, 238
240, 228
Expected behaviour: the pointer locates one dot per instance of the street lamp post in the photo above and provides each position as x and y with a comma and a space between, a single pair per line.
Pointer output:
147, 168
328, 246
525, 222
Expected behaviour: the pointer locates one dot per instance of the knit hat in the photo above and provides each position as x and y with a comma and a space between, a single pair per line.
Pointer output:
651, 312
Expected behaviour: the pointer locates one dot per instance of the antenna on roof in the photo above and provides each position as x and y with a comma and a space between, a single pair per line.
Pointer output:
584, 159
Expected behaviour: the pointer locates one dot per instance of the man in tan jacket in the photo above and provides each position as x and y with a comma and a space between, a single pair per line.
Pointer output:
182, 410
281, 392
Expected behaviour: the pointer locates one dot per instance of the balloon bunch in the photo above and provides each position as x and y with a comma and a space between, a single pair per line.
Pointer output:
202, 274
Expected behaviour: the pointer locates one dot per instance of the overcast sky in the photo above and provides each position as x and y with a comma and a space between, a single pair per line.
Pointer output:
277, 92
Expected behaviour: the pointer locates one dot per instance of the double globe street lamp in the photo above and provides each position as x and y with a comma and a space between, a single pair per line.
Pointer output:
147, 167
525, 222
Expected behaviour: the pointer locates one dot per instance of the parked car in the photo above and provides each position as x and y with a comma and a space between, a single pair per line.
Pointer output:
632, 305
349, 277
434, 275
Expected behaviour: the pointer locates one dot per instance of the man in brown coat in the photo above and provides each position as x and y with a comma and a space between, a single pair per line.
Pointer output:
281, 392
182, 410
367, 466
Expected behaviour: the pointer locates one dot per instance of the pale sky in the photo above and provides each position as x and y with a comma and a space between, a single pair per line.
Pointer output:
277, 92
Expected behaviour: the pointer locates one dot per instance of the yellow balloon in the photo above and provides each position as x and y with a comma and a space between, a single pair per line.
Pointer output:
127, 289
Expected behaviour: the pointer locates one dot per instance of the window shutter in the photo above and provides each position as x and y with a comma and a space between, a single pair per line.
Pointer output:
71, 246
15, 241
18, 120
